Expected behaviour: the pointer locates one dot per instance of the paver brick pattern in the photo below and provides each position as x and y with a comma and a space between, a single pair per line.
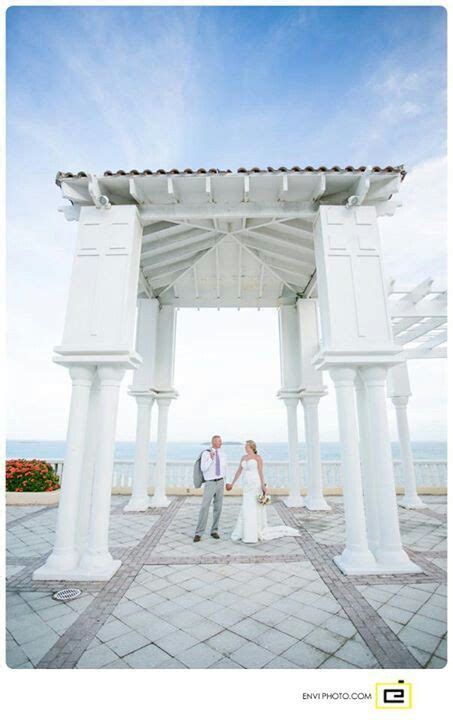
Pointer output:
220, 604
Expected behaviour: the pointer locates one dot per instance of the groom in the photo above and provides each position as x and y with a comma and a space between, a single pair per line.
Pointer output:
214, 468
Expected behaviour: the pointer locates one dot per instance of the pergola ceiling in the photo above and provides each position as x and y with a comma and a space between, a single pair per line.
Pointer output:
227, 239
419, 320
254, 266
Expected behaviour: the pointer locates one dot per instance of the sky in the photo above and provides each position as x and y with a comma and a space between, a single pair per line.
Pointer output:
148, 87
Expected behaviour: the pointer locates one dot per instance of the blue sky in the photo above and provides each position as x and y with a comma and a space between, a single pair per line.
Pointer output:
107, 88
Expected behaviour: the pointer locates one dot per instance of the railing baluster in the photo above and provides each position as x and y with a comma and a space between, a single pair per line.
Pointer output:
428, 473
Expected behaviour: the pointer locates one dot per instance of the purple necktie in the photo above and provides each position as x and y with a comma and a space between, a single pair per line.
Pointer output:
217, 463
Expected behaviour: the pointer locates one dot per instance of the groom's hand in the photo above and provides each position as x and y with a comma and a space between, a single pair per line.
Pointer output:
229, 486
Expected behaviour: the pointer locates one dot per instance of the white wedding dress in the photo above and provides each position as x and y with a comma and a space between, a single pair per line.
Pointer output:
251, 524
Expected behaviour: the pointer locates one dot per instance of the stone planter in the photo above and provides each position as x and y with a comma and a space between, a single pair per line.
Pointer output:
33, 498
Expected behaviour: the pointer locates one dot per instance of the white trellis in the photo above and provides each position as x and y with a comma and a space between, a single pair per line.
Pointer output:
303, 240
419, 320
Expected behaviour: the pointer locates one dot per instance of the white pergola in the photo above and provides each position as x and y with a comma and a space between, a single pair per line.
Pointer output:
303, 240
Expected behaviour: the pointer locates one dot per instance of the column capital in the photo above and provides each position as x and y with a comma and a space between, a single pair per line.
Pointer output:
165, 399
342, 375
312, 397
144, 400
374, 374
110, 375
400, 400
289, 397
146, 395
82, 374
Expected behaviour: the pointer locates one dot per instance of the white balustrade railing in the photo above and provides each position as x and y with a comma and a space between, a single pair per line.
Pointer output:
428, 473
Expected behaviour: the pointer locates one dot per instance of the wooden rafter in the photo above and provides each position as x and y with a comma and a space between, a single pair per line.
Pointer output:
263, 262
196, 262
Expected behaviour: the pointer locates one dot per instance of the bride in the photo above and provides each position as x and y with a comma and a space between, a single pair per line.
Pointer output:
251, 525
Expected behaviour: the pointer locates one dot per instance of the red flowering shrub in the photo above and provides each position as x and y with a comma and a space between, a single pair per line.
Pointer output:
31, 476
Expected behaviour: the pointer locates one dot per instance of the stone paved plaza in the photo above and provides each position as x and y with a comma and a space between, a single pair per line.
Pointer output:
221, 604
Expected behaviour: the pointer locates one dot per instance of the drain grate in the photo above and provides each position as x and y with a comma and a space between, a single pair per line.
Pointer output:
67, 594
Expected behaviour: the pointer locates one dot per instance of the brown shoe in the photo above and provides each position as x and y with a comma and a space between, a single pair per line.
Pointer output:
197, 538
215, 535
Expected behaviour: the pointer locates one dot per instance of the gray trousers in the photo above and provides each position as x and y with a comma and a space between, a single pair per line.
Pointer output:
211, 489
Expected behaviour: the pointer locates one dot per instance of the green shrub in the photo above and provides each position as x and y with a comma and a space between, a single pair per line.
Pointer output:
31, 476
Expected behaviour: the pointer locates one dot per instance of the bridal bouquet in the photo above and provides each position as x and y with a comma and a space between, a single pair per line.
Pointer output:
264, 499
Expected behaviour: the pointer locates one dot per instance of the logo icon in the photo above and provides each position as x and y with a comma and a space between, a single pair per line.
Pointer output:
393, 695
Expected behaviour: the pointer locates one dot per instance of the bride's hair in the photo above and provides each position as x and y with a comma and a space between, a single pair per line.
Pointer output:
252, 444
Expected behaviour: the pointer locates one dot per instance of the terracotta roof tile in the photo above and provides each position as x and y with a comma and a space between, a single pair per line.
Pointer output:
215, 171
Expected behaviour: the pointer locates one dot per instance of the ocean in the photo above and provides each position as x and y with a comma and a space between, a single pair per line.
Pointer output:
55, 449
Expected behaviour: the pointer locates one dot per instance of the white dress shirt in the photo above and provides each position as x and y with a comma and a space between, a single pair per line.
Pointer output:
207, 465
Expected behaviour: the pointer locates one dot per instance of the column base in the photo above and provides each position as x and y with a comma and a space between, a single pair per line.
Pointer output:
159, 501
316, 504
139, 504
56, 565
77, 573
411, 502
396, 561
356, 563
96, 566
293, 501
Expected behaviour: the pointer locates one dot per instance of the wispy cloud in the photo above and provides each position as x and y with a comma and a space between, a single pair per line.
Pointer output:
97, 88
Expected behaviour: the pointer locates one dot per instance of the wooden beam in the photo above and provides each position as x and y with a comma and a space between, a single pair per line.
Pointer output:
272, 237
217, 271
261, 285
167, 269
208, 188
433, 341
404, 324
273, 252
295, 230
283, 195
198, 260
164, 259
310, 286
419, 292
239, 270
262, 262
195, 281
136, 191
99, 198
320, 188
183, 240
227, 211
144, 284
420, 330
246, 188
171, 190
360, 190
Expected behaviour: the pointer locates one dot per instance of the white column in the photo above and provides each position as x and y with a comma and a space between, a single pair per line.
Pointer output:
142, 389
390, 555
140, 499
294, 499
369, 478
89, 464
315, 499
64, 556
165, 369
410, 498
97, 561
399, 390
290, 364
159, 499
356, 557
